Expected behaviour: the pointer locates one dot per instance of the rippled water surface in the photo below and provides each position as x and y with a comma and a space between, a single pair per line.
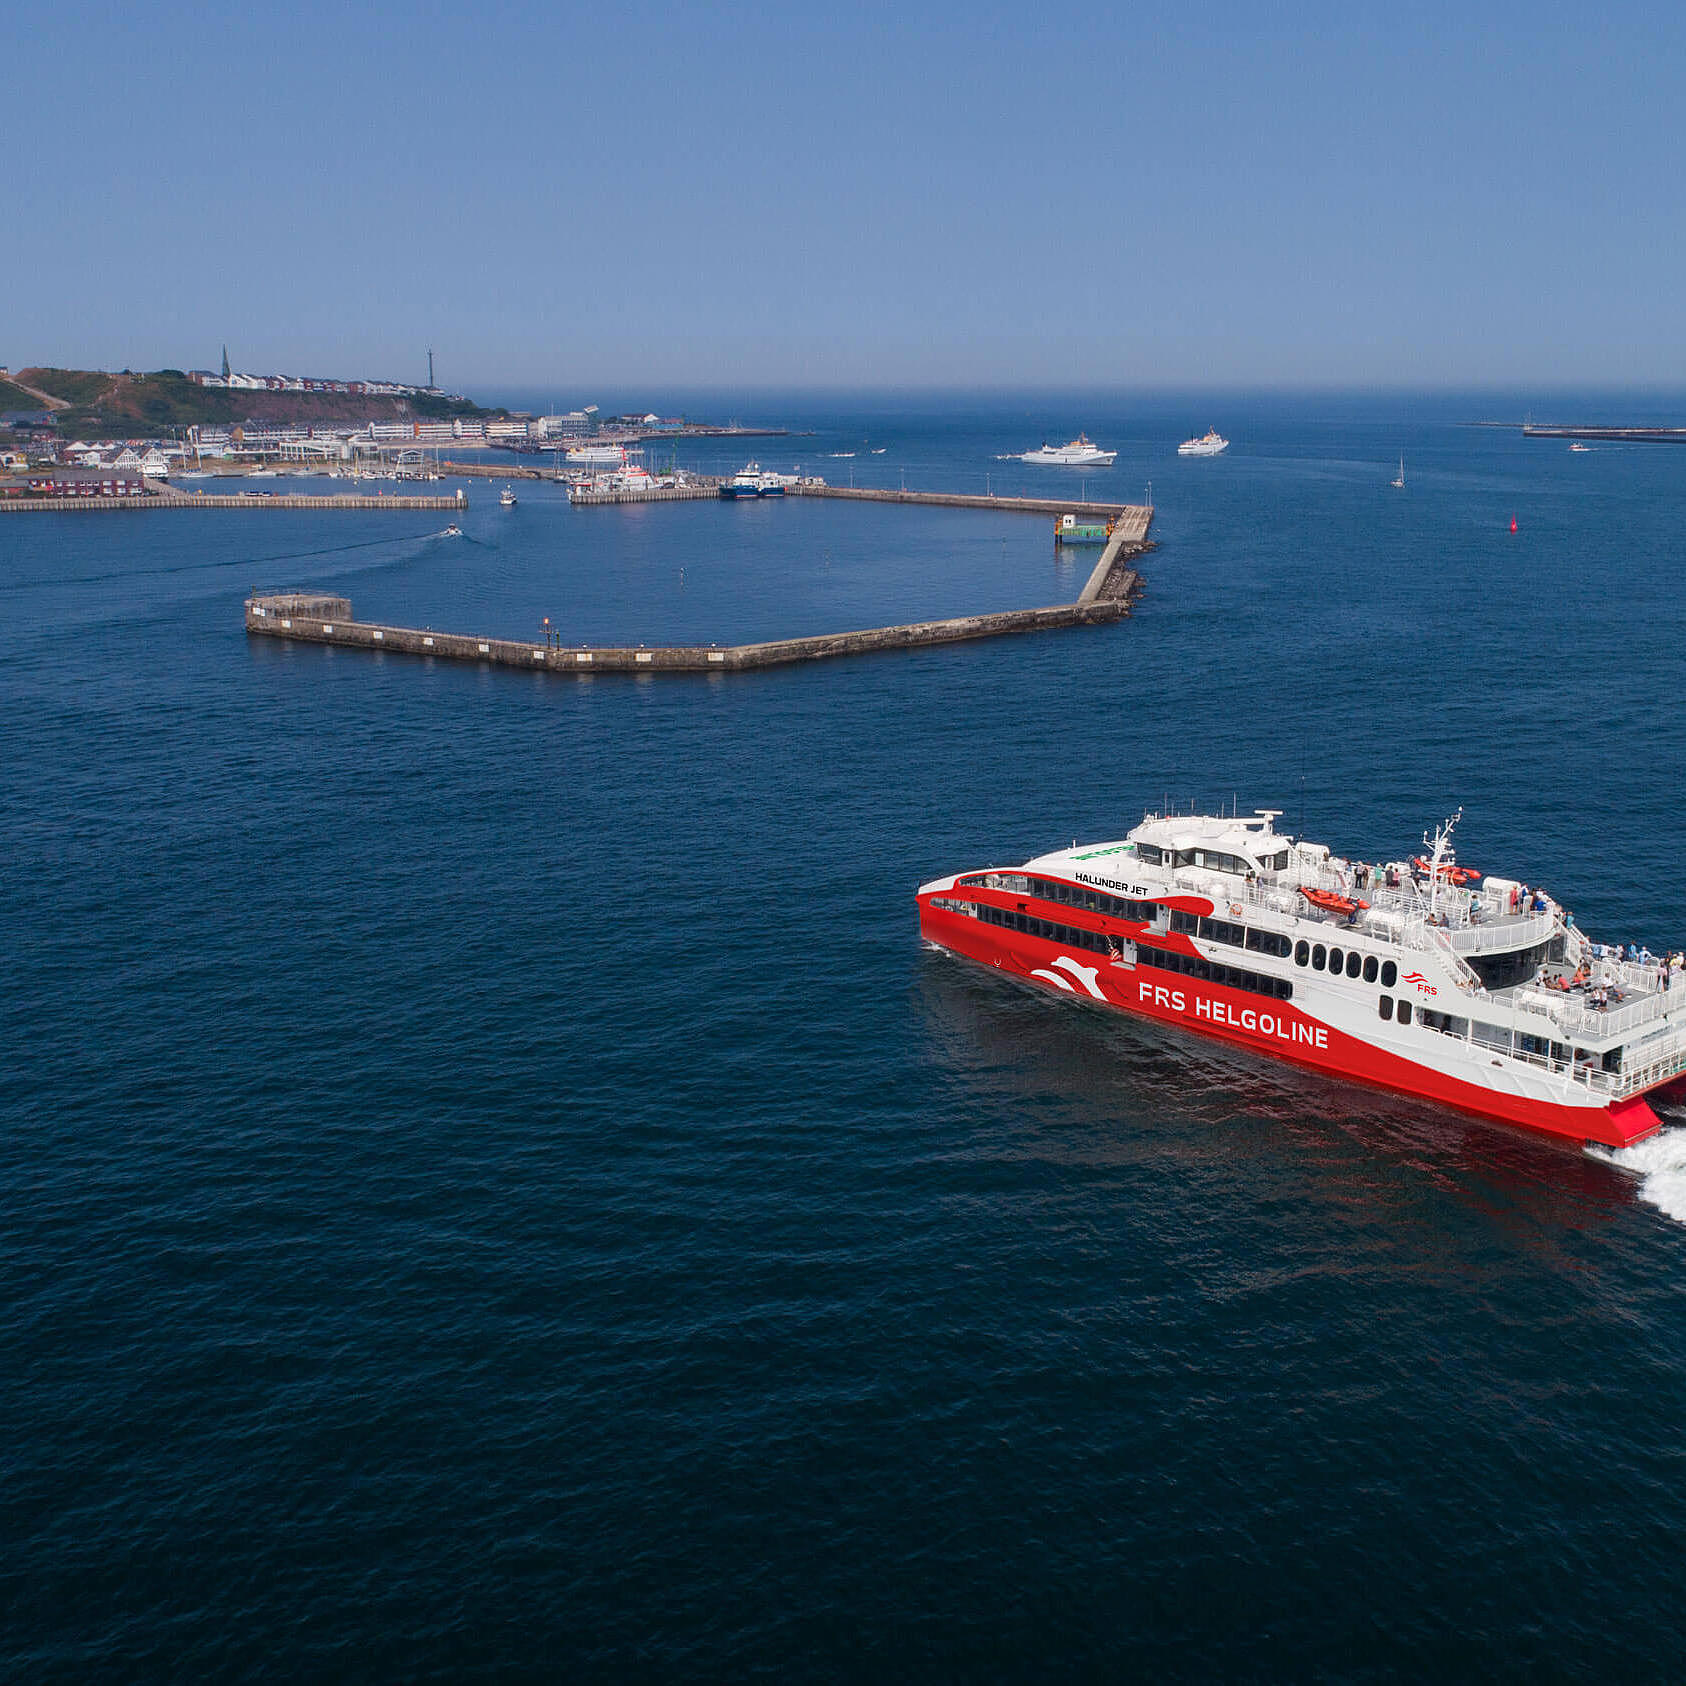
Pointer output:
496, 1189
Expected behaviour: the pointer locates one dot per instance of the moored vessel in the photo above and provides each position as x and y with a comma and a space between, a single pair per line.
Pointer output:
1209, 444
753, 481
599, 456
1421, 976
1080, 453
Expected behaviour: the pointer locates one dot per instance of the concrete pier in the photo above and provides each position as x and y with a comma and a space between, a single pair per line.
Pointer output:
1135, 517
493, 471
1111, 590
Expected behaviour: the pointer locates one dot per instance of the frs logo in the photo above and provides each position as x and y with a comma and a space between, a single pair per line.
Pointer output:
1422, 983
1085, 975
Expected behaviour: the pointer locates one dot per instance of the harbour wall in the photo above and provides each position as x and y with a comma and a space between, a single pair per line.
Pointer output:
306, 618
224, 500
1135, 516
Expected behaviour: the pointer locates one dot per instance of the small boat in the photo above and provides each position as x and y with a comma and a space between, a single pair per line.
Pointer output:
452, 532
842, 453
1082, 452
1449, 870
879, 450
1399, 484
1209, 444
1332, 901
508, 498
1578, 446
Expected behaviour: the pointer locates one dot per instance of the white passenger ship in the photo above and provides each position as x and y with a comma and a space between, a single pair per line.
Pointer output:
1420, 976
1210, 444
1080, 453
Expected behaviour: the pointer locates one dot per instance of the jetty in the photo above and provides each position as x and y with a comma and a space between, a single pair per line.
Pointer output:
1108, 595
1610, 435
492, 471
1133, 515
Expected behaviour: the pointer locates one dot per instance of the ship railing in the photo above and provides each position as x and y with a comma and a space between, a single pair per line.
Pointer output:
1574, 1012
1640, 979
1588, 1074
1409, 927
1513, 933
1461, 968
1658, 1069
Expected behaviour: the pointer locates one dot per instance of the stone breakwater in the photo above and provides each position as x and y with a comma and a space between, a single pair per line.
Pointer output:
312, 619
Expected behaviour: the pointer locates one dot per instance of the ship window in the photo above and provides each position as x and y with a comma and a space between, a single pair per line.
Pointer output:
1150, 852
1066, 935
1384, 1006
1222, 931
1370, 968
1270, 942
1231, 977
1218, 861
1390, 974
1494, 1036
1185, 924
1354, 962
1404, 1012
1319, 957
1336, 960
1302, 952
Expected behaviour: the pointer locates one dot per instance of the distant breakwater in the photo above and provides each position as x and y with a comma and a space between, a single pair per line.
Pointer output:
231, 500
314, 618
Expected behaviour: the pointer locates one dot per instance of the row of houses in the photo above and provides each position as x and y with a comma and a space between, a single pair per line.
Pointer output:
306, 383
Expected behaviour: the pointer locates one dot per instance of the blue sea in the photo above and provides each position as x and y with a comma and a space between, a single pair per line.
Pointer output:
495, 1188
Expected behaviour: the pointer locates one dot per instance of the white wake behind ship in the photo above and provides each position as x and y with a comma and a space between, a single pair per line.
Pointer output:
1209, 444
1080, 453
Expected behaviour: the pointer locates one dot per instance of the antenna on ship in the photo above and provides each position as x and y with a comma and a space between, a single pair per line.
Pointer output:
1442, 850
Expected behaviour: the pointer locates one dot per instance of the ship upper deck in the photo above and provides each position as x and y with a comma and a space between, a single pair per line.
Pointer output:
1508, 948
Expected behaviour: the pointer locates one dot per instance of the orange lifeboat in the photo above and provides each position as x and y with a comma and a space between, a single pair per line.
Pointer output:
1453, 874
1332, 901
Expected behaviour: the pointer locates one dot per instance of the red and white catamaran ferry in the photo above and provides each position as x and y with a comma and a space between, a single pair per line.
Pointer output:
1419, 976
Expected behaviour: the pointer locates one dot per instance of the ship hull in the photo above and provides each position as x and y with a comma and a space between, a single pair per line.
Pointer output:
1274, 1029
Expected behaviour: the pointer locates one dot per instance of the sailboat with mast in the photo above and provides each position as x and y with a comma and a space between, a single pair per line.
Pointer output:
1398, 483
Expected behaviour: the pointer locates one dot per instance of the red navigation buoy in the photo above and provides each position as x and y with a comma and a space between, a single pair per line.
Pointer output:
1513, 523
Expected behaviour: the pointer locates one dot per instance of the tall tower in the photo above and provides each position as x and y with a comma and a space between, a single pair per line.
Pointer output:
430, 371
225, 362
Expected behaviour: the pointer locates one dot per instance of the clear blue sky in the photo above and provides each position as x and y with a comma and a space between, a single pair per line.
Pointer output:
1206, 193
